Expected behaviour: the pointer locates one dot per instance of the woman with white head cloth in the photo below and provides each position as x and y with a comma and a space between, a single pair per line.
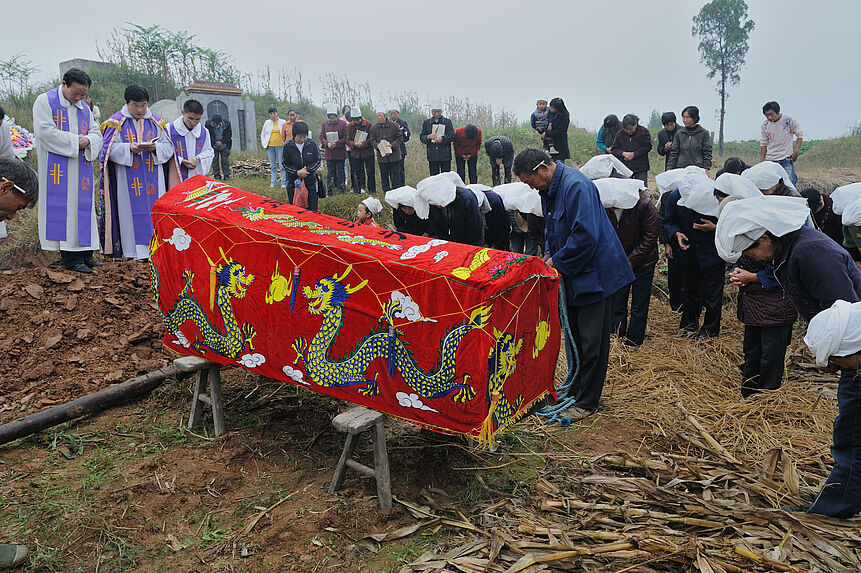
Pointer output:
367, 210
814, 272
409, 210
771, 178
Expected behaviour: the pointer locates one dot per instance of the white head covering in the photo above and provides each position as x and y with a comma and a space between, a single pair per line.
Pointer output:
843, 196
744, 221
410, 197
483, 203
669, 180
767, 174
455, 178
439, 190
394, 106
835, 331
619, 193
355, 111
697, 191
736, 185
602, 166
331, 108
436, 103
521, 197
852, 213
373, 204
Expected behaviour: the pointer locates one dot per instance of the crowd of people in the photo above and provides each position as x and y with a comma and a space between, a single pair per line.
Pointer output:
789, 253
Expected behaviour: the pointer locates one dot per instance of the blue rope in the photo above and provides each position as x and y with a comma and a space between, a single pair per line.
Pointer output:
563, 400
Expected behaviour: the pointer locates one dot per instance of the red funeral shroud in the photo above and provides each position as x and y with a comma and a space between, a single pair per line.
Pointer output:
451, 337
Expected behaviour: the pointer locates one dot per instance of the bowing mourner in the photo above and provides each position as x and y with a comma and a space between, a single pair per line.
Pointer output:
815, 272
68, 141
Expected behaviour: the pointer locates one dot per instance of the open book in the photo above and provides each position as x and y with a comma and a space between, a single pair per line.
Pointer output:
438, 129
385, 148
361, 136
332, 136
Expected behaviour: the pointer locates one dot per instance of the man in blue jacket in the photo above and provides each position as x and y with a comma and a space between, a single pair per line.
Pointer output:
582, 245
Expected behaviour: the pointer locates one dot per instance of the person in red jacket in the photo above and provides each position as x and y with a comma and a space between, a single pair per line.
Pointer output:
467, 142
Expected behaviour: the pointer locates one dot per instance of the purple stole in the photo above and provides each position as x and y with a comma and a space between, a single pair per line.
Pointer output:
180, 148
57, 188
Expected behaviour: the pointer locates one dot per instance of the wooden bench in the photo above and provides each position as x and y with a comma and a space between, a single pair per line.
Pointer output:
353, 422
207, 390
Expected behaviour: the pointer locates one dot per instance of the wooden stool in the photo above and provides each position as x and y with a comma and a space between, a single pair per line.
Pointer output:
208, 373
355, 421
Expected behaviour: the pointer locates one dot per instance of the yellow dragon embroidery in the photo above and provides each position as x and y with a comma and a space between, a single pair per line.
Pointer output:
501, 364
328, 298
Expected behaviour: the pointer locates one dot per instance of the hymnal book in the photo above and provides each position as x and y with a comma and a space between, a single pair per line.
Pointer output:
361, 136
332, 136
385, 148
438, 129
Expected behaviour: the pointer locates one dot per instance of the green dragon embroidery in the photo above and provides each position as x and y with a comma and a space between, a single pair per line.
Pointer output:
327, 299
232, 283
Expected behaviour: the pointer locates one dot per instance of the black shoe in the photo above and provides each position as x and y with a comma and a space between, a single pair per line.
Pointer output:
81, 268
92, 263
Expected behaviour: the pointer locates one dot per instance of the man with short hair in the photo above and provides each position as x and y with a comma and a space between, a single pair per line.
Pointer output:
467, 143
666, 135
500, 151
270, 139
191, 143
136, 147
437, 134
394, 114
333, 139
386, 139
221, 136
776, 139
361, 152
583, 247
68, 140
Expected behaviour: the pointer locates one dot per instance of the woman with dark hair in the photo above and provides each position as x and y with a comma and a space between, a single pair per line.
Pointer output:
632, 145
692, 145
607, 133
557, 130
665, 136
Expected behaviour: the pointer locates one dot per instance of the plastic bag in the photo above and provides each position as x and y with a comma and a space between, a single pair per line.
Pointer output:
300, 194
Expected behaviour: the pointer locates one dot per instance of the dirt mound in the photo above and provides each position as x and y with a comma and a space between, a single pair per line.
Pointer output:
68, 334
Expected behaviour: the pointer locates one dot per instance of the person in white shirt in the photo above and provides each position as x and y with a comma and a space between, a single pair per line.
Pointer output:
191, 142
776, 139
68, 141
270, 139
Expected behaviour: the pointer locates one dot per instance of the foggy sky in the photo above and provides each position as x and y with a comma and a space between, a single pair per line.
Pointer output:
605, 56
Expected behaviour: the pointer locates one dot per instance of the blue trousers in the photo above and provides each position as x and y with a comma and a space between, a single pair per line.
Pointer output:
841, 495
790, 169
276, 164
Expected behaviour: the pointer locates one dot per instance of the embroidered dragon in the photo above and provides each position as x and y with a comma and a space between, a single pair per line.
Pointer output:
328, 298
501, 364
232, 282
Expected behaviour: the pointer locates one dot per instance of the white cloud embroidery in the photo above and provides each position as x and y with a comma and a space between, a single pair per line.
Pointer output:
252, 360
295, 375
180, 239
412, 401
409, 308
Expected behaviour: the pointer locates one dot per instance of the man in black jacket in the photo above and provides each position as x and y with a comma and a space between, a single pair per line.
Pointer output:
301, 161
221, 137
632, 144
500, 150
405, 132
459, 221
665, 136
438, 140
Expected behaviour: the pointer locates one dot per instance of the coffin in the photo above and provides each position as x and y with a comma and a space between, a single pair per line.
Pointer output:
450, 337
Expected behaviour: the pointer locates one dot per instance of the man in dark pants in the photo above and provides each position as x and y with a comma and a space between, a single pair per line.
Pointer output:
637, 229
815, 272
666, 135
693, 238
674, 269
467, 143
437, 134
500, 150
221, 136
405, 132
583, 247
